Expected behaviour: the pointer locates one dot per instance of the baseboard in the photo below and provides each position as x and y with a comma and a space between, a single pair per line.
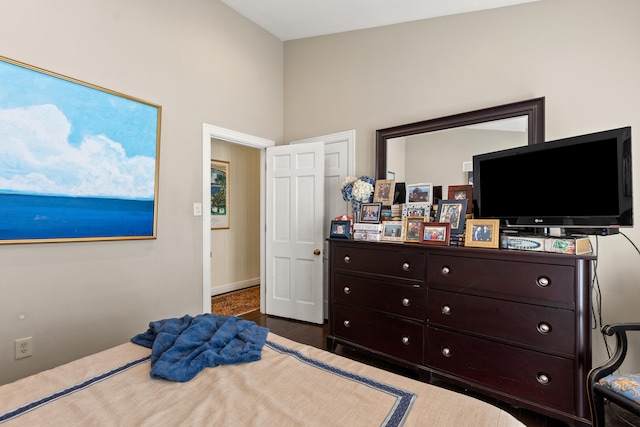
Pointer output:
230, 287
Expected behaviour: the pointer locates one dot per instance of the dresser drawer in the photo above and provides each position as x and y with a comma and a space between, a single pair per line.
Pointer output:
538, 377
380, 295
387, 334
553, 284
397, 263
548, 329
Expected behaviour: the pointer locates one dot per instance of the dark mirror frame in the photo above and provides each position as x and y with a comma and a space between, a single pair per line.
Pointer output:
532, 108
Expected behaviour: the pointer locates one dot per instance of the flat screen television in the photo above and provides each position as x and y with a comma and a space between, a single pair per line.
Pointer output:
582, 183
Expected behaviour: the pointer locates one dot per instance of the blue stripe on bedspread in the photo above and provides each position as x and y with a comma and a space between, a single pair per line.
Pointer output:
404, 399
14, 413
396, 416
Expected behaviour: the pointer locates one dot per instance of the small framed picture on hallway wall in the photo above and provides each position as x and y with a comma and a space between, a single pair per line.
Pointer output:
219, 194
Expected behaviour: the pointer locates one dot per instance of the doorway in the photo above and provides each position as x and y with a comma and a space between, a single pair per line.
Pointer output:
210, 132
235, 251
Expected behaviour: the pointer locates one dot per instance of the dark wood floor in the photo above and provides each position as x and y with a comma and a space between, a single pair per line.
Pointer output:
316, 336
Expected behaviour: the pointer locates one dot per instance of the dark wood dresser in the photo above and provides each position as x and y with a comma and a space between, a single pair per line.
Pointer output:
513, 325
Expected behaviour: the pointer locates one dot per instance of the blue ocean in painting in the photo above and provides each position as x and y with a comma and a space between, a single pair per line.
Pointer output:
58, 217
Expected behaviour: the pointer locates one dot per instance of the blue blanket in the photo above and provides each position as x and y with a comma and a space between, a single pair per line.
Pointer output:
182, 347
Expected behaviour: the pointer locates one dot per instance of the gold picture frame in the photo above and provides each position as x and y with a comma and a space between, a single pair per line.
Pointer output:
413, 228
482, 233
384, 191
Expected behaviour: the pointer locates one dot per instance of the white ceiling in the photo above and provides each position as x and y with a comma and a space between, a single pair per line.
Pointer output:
295, 19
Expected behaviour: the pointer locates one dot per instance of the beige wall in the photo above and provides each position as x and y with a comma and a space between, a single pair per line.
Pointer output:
235, 252
203, 63
582, 55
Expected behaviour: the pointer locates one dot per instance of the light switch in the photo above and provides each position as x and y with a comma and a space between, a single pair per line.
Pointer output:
197, 209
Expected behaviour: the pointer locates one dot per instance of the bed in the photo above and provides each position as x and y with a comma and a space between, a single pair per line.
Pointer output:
291, 384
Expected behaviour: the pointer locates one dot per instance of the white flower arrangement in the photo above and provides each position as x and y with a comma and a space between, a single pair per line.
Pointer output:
358, 190
362, 190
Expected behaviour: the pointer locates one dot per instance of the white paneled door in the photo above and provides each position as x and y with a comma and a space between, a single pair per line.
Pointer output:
339, 162
295, 231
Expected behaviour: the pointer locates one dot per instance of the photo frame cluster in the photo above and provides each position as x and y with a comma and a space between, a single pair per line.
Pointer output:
448, 225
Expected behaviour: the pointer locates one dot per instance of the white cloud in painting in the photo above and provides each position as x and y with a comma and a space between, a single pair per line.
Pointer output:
36, 158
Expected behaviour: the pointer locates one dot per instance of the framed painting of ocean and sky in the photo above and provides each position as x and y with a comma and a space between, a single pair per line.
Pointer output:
77, 162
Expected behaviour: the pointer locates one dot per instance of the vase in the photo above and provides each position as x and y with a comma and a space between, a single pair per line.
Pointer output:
356, 215
356, 211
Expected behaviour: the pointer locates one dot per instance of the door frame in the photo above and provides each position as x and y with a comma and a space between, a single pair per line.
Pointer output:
208, 132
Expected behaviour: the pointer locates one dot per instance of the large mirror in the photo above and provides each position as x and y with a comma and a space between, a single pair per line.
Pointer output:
440, 151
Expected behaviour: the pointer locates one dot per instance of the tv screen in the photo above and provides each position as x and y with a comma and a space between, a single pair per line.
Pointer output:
579, 182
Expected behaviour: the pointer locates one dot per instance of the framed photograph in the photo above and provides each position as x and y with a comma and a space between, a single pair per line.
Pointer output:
370, 212
454, 212
435, 233
482, 233
340, 229
413, 228
384, 191
79, 162
459, 192
416, 209
420, 193
393, 231
219, 194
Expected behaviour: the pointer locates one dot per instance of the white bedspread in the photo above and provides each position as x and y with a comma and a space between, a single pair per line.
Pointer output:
292, 385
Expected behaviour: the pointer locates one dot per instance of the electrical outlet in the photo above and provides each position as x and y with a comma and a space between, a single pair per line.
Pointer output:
24, 348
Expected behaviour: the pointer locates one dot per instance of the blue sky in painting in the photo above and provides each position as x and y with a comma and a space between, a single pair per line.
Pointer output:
59, 137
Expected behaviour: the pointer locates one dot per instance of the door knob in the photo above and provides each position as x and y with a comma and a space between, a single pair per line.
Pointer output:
316, 252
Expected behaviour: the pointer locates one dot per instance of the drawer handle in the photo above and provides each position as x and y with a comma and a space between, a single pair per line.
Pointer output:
405, 266
446, 351
543, 281
446, 309
406, 302
347, 290
543, 378
544, 327
445, 270
347, 323
347, 259
405, 340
